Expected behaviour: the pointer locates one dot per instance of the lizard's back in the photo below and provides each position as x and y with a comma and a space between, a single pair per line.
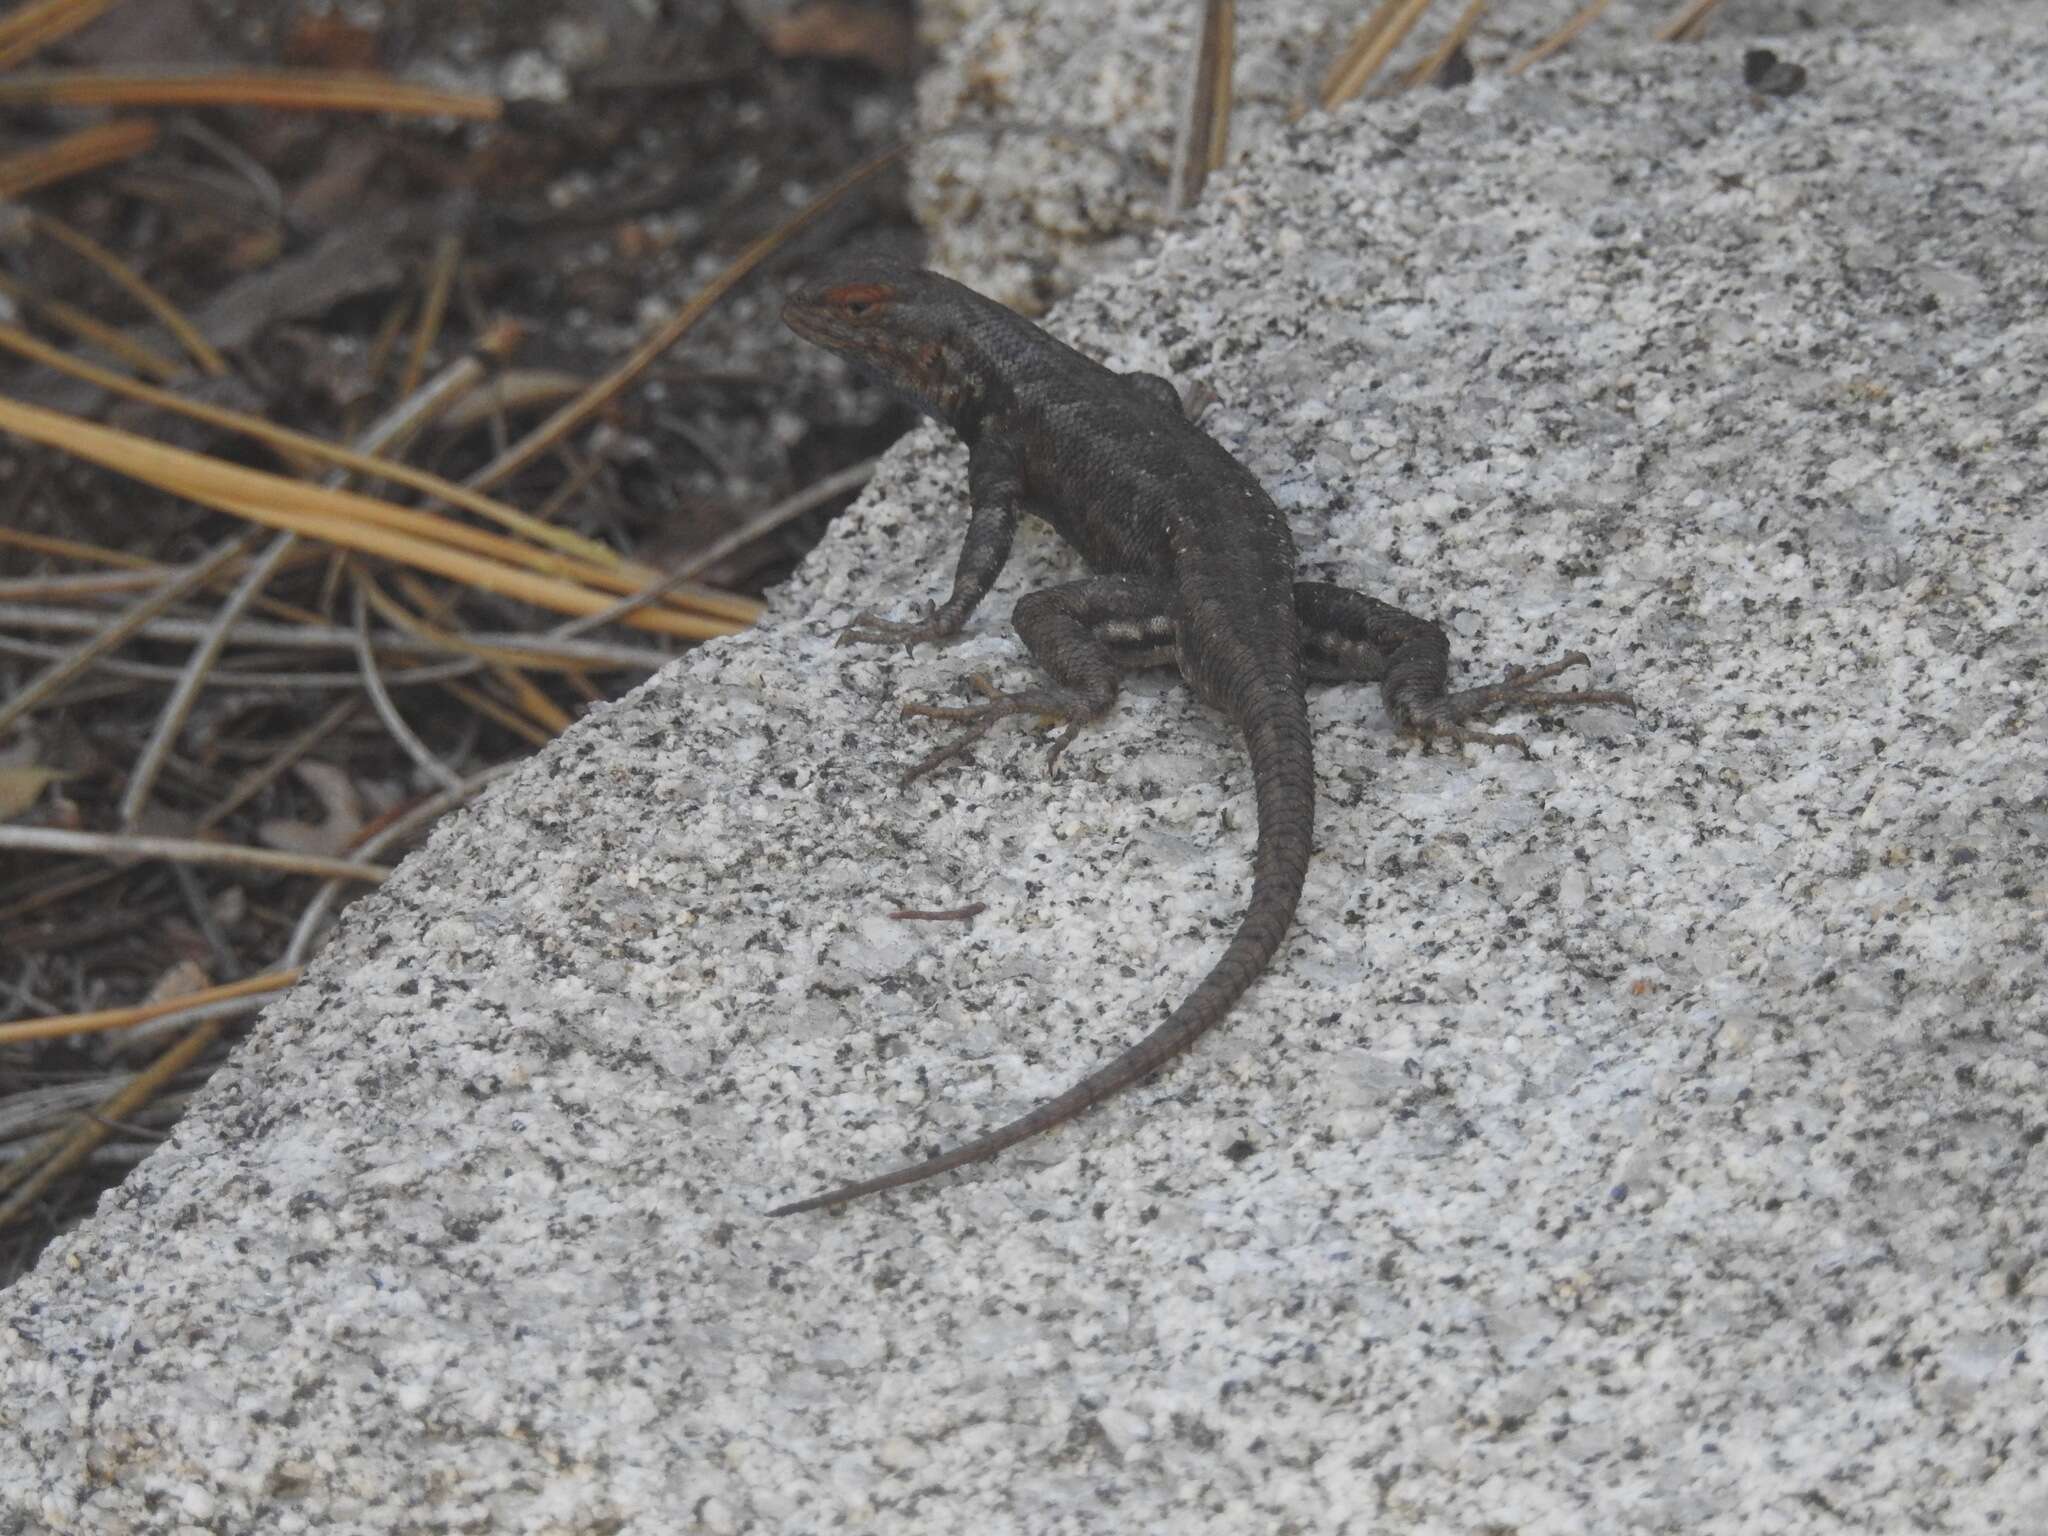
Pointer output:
1111, 461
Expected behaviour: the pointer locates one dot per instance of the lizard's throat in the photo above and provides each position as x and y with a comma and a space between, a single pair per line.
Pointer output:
931, 377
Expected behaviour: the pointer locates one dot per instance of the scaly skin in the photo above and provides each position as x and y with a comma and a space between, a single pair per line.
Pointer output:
1196, 570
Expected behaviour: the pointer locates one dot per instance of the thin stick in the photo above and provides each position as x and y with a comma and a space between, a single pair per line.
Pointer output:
1560, 37
526, 650
1204, 138
479, 702
132, 283
446, 641
114, 634
178, 707
238, 160
171, 718
671, 331
547, 718
188, 851
41, 23
79, 1145
137, 355
29, 589
284, 440
1369, 48
64, 1025
76, 153
440, 282
362, 523
253, 783
72, 549
380, 700
69, 883
297, 90
1687, 25
268, 681
787, 510
1431, 64
420, 815
972, 910
144, 1034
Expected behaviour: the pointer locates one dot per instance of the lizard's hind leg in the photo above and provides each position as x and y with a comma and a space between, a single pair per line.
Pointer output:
1086, 634
1347, 636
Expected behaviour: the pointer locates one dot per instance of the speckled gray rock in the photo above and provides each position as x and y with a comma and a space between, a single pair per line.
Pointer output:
1643, 1137
1026, 215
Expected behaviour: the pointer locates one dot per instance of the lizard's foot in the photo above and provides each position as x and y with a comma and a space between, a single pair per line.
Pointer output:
1048, 704
1444, 718
870, 628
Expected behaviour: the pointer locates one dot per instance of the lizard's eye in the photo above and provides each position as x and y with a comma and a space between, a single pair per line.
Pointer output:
857, 300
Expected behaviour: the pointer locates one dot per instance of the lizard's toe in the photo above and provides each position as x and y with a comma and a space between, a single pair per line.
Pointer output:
1060, 742
1429, 725
1050, 705
1445, 718
870, 628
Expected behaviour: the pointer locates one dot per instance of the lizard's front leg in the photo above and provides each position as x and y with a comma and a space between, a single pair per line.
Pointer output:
1086, 634
995, 486
1347, 636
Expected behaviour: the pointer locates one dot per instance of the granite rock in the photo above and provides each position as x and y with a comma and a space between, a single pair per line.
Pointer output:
1643, 1136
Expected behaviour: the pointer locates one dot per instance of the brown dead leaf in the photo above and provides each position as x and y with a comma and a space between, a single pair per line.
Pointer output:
336, 191
336, 792
230, 905
512, 391
358, 258
329, 42
21, 785
840, 29
181, 980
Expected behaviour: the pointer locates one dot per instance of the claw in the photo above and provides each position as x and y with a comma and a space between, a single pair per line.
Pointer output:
1428, 732
944, 754
1060, 743
870, 628
979, 682
979, 718
1516, 685
1445, 717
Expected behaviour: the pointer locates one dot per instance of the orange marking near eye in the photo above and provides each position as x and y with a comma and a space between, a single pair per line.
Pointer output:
857, 295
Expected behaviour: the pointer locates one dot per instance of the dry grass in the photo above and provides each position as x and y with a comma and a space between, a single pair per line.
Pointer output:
382, 620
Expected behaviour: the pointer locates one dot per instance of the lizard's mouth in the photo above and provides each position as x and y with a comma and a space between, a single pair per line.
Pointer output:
823, 326
804, 320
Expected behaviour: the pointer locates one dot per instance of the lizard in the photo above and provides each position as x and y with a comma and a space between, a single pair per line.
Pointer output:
1194, 567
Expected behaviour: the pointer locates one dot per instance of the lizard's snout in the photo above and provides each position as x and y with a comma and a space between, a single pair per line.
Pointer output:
800, 317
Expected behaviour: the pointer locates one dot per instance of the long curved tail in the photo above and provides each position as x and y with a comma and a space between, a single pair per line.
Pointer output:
1284, 778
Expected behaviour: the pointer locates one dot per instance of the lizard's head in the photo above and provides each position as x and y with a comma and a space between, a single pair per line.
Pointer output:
899, 323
